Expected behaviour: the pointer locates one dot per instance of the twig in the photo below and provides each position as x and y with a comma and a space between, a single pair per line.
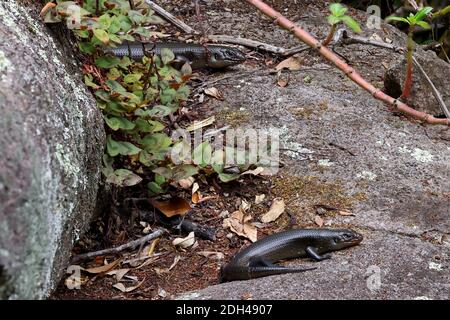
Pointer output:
257, 45
344, 67
130, 245
436, 93
169, 17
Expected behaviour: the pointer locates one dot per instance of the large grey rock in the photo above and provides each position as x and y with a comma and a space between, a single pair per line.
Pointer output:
51, 145
421, 97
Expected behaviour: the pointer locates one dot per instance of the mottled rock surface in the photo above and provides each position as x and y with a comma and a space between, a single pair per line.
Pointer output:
51, 147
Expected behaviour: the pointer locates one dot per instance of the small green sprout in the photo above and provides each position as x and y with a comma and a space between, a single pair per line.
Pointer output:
412, 20
337, 16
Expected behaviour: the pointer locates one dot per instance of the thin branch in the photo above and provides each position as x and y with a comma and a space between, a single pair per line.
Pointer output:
344, 67
257, 45
169, 17
130, 245
436, 93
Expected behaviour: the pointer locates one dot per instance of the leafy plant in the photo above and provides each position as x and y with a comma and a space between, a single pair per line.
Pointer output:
337, 16
136, 97
413, 21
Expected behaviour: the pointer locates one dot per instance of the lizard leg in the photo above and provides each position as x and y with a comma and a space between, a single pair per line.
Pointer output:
315, 255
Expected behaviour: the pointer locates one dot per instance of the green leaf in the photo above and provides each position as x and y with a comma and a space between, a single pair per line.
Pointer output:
158, 111
351, 23
116, 86
165, 172
117, 123
154, 188
424, 25
202, 154
333, 20
337, 9
227, 177
159, 179
143, 32
167, 55
394, 18
124, 178
88, 80
132, 77
102, 35
136, 16
148, 126
114, 25
113, 74
107, 62
184, 171
115, 148
86, 47
104, 22
157, 143
422, 14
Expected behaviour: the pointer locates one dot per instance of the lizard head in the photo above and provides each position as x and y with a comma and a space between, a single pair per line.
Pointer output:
225, 57
345, 238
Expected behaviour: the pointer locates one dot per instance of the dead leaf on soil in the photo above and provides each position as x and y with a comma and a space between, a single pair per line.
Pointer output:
292, 63
239, 223
276, 209
201, 124
103, 269
185, 242
118, 273
259, 198
346, 213
186, 183
196, 197
255, 172
214, 92
282, 81
173, 207
212, 255
319, 221
121, 287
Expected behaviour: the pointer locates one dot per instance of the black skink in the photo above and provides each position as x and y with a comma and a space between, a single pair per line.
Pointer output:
199, 56
257, 259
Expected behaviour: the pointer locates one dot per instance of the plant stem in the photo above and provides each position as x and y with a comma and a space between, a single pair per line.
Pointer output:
344, 67
442, 12
330, 35
409, 65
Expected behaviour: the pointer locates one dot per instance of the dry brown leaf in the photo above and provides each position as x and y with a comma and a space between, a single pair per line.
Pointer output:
174, 263
201, 124
239, 223
259, 198
212, 255
185, 242
276, 209
255, 172
244, 206
214, 92
119, 273
292, 63
319, 221
186, 183
283, 81
122, 288
173, 207
103, 269
346, 213
196, 197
